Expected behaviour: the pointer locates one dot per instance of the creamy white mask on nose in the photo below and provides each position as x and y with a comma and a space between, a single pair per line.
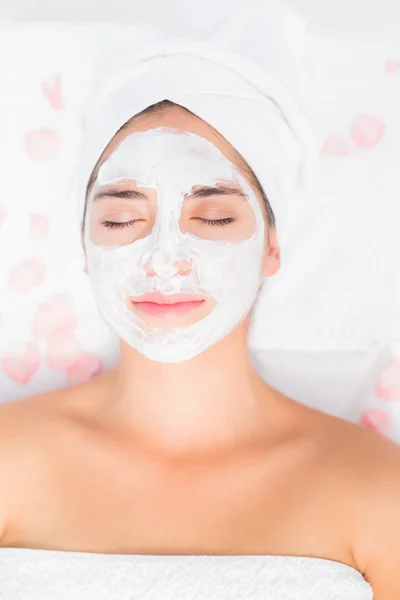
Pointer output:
172, 163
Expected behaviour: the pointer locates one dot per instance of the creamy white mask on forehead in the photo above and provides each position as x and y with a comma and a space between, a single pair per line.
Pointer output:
227, 271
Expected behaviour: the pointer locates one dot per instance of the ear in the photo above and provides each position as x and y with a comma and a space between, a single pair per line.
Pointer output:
272, 258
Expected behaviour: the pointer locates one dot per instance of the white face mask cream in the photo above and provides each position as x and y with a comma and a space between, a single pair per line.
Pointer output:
172, 163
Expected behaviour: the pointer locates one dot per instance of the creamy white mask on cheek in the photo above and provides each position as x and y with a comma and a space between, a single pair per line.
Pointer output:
172, 163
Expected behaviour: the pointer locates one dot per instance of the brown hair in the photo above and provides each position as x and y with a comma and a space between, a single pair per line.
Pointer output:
158, 108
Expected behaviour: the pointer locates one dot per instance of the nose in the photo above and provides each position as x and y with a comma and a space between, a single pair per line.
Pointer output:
178, 267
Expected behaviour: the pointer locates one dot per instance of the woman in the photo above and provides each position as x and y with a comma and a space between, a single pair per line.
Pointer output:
183, 449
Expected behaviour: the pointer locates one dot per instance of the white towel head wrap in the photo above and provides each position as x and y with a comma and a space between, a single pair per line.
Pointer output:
243, 102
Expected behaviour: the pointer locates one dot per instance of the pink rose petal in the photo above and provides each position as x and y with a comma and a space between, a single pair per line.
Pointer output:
38, 225
30, 273
377, 420
42, 144
62, 350
21, 362
52, 91
335, 145
85, 367
367, 131
388, 387
392, 66
53, 315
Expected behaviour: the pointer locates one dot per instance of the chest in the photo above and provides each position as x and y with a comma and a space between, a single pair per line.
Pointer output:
101, 499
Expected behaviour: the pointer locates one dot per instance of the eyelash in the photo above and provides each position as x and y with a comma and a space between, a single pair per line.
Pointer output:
212, 222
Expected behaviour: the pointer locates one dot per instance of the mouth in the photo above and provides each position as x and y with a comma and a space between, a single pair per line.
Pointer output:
159, 305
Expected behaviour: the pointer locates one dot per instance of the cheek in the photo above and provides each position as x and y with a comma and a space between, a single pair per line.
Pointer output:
226, 269
110, 267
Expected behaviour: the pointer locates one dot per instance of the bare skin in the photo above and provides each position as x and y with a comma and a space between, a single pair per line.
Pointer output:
317, 487
79, 484
199, 457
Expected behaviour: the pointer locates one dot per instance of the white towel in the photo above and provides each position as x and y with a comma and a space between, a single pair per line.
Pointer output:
31, 574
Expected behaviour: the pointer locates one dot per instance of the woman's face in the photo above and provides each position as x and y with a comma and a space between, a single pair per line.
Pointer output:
173, 199
216, 215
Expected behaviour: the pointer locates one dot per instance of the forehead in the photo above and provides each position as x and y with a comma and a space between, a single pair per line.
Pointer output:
181, 120
165, 156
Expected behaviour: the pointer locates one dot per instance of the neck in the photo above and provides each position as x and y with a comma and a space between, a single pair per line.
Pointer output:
214, 403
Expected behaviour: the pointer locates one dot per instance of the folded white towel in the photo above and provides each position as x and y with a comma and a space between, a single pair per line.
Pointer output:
27, 574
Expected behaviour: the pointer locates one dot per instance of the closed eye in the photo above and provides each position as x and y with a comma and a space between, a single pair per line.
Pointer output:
215, 222
120, 224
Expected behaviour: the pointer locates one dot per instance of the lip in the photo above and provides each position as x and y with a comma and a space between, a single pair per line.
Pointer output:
160, 305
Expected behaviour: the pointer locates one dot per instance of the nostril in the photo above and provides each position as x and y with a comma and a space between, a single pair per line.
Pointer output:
149, 271
184, 267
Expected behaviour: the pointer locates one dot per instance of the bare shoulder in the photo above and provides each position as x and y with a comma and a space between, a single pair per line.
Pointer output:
33, 430
19, 419
376, 545
364, 467
368, 457
40, 417
365, 460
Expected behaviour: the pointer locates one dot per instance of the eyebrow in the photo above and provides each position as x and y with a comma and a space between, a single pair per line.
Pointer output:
201, 192
116, 193
206, 191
